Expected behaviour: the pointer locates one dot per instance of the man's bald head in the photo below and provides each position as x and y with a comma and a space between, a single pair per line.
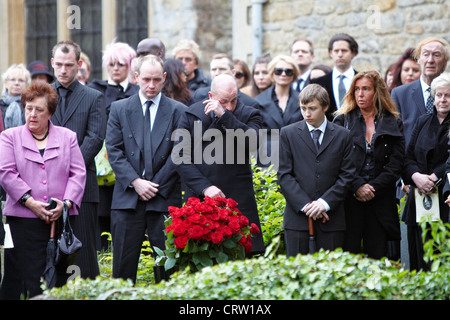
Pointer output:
224, 89
151, 46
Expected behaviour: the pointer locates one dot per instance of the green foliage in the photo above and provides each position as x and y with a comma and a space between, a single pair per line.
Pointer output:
270, 203
325, 275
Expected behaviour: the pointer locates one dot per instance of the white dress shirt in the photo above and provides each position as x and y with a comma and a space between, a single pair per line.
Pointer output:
153, 107
349, 75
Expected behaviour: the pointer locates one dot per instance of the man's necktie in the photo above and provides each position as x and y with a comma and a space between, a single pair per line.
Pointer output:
316, 135
63, 99
341, 89
430, 102
148, 142
299, 85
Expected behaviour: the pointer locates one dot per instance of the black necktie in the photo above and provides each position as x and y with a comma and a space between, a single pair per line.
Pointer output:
148, 142
63, 99
316, 135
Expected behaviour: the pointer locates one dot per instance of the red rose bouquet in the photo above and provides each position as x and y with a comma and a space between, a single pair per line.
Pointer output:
205, 233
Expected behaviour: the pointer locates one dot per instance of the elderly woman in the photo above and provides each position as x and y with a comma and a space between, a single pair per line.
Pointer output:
279, 103
261, 79
39, 162
426, 156
378, 152
15, 80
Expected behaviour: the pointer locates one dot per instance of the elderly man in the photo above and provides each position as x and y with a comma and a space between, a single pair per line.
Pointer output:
225, 120
189, 53
414, 99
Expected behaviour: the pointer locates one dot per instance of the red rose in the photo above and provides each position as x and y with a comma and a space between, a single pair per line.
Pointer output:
196, 232
210, 201
234, 226
220, 202
175, 212
254, 229
242, 240
216, 237
179, 230
181, 242
243, 221
231, 203
192, 202
188, 211
248, 246
195, 218
227, 232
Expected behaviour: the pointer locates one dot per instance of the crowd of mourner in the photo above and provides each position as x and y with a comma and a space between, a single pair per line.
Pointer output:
347, 146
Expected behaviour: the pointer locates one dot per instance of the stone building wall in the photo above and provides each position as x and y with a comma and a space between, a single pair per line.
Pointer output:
383, 28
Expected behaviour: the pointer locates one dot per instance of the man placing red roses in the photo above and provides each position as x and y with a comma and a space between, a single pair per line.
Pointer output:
222, 114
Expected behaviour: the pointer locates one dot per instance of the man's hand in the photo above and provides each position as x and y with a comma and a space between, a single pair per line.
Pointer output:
365, 193
315, 210
145, 188
213, 192
214, 106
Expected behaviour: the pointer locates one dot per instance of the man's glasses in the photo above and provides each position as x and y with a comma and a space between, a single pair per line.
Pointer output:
287, 72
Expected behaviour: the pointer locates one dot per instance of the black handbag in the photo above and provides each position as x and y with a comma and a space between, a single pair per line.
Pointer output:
68, 244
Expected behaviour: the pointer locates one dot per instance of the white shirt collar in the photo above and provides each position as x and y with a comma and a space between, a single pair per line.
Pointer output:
322, 127
349, 73
155, 99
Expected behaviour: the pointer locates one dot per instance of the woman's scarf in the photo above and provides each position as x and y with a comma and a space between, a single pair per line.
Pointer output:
13, 115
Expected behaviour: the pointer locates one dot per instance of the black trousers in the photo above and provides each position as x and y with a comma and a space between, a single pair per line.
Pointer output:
298, 241
25, 263
85, 229
128, 229
363, 227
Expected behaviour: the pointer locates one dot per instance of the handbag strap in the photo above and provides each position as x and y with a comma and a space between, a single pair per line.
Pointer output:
66, 215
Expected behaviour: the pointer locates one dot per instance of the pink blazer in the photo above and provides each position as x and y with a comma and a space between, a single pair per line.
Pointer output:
60, 173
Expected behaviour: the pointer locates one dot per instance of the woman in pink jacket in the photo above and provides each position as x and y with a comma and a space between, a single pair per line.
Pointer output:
38, 162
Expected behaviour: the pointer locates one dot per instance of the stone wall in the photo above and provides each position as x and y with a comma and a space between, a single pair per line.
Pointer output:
383, 28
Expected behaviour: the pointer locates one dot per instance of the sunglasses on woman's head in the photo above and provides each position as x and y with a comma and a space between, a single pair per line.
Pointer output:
287, 72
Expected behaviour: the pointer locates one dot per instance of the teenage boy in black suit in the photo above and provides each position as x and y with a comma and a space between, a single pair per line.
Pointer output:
315, 173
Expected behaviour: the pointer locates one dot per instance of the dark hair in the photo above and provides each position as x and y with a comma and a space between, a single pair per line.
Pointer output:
397, 71
41, 89
66, 46
266, 58
344, 37
174, 86
245, 71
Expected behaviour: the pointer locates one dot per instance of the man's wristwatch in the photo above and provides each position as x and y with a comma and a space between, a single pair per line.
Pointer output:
24, 198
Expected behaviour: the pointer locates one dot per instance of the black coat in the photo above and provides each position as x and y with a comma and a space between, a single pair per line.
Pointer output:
113, 93
388, 158
274, 119
233, 178
427, 153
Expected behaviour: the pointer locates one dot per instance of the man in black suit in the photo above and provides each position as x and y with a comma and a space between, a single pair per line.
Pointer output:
342, 49
314, 175
212, 149
82, 110
302, 52
139, 145
222, 64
